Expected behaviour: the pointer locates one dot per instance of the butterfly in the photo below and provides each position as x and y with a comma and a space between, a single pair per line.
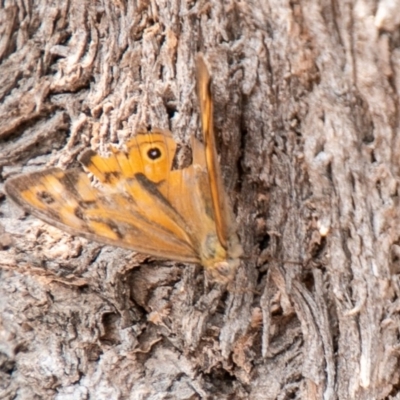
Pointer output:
138, 201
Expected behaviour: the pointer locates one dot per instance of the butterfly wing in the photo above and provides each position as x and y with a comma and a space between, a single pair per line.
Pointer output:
127, 209
188, 190
219, 200
139, 202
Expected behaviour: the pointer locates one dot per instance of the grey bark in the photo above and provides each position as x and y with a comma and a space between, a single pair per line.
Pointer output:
307, 118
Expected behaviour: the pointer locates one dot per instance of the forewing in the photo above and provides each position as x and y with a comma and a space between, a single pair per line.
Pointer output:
219, 200
111, 215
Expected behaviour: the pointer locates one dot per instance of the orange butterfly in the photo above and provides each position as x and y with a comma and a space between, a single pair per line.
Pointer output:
140, 202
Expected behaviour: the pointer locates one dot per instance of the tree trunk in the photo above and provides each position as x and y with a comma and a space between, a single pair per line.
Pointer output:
307, 122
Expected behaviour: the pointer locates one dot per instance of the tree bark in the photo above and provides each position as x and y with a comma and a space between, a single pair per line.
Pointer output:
307, 120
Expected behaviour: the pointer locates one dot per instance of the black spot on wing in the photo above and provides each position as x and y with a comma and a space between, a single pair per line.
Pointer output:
86, 205
78, 213
110, 176
154, 153
45, 197
115, 229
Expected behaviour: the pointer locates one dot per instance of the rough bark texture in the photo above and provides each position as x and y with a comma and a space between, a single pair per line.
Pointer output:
307, 118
